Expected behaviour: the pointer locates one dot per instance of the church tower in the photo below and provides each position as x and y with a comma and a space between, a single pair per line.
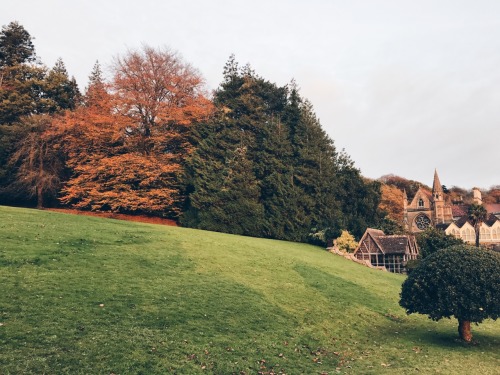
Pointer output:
437, 188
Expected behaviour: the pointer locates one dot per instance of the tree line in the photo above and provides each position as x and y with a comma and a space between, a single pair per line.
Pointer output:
250, 158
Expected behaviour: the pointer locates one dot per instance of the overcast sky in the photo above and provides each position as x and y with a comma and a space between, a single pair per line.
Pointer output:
403, 86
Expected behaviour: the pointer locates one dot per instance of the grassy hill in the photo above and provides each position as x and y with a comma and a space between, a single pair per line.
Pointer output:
99, 296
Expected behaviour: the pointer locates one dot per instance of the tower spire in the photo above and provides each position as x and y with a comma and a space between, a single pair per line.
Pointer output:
437, 188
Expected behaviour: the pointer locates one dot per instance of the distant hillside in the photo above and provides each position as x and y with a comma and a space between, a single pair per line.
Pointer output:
87, 295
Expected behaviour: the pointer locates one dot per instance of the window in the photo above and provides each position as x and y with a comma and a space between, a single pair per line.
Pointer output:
422, 222
420, 203
468, 235
485, 233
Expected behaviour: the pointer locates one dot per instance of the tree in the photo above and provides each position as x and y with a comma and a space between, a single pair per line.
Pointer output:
38, 162
127, 144
60, 91
162, 96
16, 46
391, 202
432, 240
477, 214
303, 184
459, 281
346, 242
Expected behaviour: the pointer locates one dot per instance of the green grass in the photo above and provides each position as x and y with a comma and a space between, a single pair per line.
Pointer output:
184, 301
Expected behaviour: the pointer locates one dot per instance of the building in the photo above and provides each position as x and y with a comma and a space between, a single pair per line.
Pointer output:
434, 208
389, 252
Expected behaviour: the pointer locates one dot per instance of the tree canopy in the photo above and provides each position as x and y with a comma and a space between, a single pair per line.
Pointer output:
301, 184
460, 281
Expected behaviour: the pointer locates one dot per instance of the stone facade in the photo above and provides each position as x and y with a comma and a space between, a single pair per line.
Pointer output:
434, 208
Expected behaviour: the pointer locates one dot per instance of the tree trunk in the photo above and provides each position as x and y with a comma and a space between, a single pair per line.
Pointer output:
39, 194
464, 330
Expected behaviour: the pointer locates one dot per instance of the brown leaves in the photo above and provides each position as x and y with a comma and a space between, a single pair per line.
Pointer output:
126, 147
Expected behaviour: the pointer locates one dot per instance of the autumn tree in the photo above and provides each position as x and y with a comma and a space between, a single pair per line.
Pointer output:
410, 186
136, 134
391, 202
460, 281
27, 88
38, 159
492, 196
346, 242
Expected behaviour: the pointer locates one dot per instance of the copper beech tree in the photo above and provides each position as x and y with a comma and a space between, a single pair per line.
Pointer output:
127, 144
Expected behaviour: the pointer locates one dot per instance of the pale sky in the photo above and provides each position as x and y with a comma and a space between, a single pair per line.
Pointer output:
404, 86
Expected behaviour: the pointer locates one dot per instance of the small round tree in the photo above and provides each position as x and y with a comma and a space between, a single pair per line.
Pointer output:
460, 281
346, 242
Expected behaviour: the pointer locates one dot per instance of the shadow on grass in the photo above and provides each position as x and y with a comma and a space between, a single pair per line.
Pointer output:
341, 291
442, 334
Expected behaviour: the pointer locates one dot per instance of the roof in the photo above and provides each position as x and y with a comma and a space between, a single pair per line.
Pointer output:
393, 244
375, 232
459, 210
492, 207
490, 220
396, 244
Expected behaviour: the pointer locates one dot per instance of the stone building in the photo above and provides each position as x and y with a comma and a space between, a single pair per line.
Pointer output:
434, 208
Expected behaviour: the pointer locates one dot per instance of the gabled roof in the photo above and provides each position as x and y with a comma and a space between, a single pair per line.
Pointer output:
490, 220
393, 244
375, 232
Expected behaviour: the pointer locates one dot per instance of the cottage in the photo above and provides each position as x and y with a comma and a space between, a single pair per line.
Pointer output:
391, 252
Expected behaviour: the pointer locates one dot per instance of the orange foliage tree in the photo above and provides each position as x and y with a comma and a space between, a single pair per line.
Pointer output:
126, 145
391, 202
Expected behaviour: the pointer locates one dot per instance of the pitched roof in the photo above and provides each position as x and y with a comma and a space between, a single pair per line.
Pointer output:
490, 220
492, 207
395, 244
375, 232
459, 210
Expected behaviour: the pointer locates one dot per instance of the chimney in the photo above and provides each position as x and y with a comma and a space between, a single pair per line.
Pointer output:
476, 196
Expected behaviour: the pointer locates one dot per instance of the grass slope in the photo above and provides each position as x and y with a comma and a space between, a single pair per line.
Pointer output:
99, 296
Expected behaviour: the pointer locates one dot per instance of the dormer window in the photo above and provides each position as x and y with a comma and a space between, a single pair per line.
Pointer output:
420, 202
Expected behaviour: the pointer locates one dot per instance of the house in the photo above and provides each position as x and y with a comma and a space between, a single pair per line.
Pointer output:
391, 252
434, 208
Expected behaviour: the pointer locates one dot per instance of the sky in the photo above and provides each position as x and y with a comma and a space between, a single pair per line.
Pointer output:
404, 86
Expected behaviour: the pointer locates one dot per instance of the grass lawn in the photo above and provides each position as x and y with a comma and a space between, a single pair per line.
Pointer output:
86, 295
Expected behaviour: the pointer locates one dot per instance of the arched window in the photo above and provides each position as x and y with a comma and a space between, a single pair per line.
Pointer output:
485, 233
468, 235
420, 202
